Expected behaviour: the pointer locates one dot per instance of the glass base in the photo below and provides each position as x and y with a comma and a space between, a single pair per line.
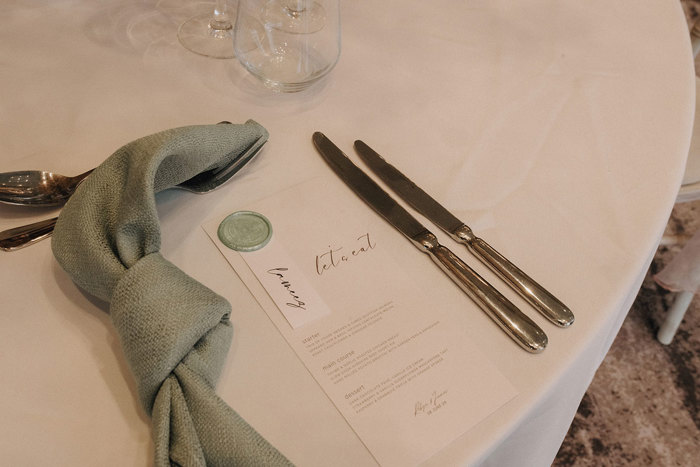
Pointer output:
203, 36
290, 72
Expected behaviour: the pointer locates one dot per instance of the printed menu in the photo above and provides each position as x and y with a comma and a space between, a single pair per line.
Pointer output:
404, 377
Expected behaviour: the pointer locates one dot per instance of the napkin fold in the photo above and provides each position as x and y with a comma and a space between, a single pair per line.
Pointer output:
175, 332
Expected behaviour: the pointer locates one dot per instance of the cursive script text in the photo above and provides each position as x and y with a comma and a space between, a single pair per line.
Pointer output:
335, 257
431, 405
296, 302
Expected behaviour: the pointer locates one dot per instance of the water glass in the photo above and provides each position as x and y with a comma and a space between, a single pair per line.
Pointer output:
288, 44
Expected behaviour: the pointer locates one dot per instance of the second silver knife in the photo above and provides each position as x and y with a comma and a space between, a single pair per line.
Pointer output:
542, 300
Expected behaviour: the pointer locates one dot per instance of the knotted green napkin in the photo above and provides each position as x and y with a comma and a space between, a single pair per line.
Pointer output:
175, 332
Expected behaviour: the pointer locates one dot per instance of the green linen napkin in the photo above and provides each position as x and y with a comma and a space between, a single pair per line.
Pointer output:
175, 332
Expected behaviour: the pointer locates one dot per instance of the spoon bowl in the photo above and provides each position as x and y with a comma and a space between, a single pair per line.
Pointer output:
38, 187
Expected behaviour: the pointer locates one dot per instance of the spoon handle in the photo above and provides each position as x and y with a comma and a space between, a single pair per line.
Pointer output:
19, 237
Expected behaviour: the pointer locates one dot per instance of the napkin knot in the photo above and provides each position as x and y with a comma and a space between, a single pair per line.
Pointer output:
175, 332
161, 323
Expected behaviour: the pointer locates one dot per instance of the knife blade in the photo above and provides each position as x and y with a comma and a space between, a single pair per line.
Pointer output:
541, 299
516, 324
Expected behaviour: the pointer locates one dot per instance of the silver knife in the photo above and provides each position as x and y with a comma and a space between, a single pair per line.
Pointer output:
518, 326
546, 303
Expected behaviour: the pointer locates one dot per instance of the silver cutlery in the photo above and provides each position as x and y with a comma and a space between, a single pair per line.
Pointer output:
41, 188
516, 324
19, 237
38, 187
541, 299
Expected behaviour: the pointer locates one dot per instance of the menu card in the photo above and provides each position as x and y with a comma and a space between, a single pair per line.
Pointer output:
405, 378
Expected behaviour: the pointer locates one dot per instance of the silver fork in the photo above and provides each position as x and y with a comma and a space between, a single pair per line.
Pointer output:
19, 237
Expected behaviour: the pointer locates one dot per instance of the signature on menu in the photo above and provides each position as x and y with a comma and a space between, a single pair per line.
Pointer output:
336, 257
429, 406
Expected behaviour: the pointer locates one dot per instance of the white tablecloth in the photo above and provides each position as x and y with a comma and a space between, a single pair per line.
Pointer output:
558, 130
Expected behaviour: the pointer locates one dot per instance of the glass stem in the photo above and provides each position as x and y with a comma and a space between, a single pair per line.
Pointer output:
296, 7
221, 21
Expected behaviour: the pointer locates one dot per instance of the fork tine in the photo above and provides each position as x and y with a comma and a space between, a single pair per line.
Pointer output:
213, 178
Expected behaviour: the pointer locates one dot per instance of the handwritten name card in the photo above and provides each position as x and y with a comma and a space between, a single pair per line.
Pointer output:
286, 284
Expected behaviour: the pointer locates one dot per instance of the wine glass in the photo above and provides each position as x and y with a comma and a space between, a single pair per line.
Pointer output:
288, 44
209, 34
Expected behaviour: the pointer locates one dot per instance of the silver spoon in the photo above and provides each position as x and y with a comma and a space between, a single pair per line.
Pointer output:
19, 237
38, 187
41, 188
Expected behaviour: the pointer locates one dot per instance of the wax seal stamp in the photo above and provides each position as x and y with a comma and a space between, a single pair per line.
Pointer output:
245, 231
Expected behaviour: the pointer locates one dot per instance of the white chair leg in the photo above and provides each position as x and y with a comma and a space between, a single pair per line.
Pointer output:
675, 316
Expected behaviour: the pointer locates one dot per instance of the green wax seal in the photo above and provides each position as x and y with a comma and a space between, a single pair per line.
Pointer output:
245, 231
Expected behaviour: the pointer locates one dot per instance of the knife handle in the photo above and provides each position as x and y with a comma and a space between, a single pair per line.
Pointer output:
543, 301
517, 325
18, 237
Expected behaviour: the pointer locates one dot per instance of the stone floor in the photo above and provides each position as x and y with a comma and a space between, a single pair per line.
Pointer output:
643, 406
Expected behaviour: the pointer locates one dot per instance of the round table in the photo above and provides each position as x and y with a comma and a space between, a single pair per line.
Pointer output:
557, 130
